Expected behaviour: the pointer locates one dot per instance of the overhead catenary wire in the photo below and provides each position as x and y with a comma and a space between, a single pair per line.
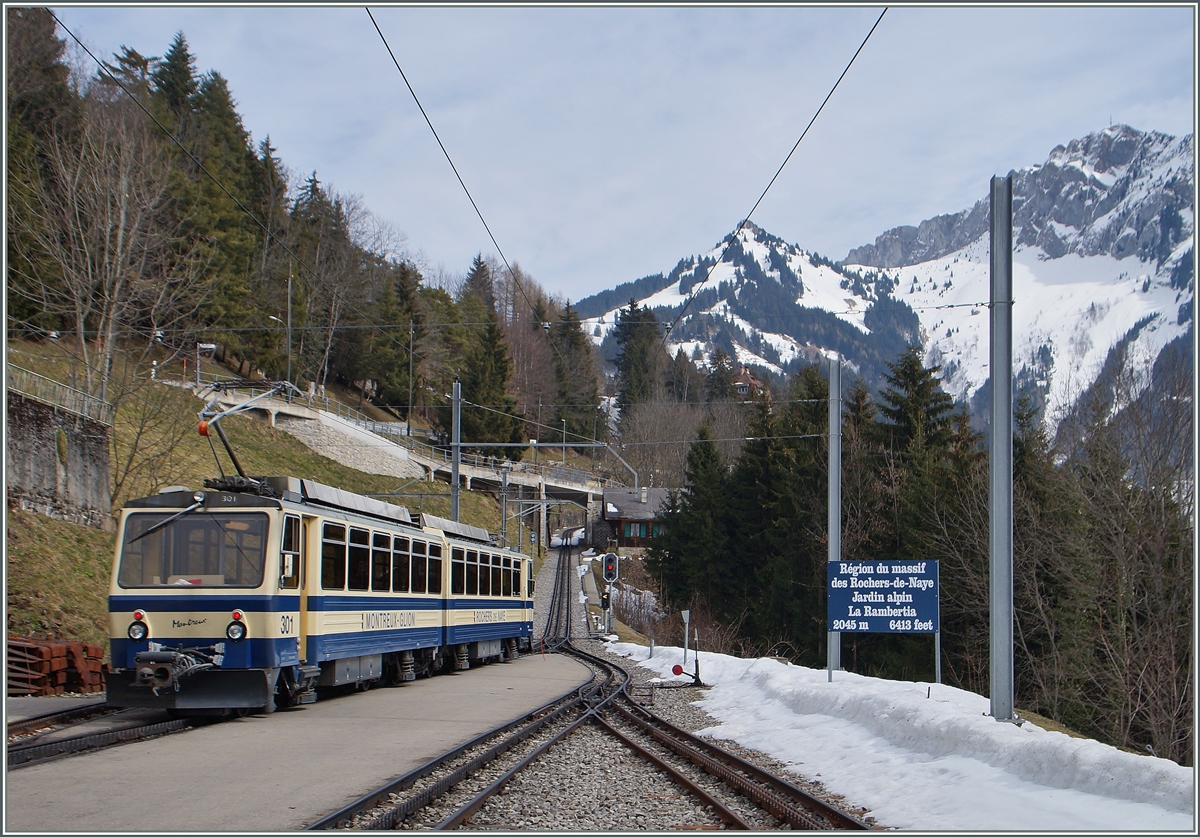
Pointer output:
695, 290
461, 182
271, 236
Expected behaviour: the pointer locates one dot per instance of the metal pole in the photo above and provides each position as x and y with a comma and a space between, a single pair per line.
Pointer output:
504, 508
542, 517
1000, 455
197, 364
564, 421
835, 491
289, 327
456, 449
408, 415
937, 654
520, 517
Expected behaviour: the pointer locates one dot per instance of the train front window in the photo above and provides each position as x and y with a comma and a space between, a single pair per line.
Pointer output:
201, 549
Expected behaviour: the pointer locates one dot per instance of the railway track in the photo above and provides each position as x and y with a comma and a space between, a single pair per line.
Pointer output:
503, 779
50, 719
50, 736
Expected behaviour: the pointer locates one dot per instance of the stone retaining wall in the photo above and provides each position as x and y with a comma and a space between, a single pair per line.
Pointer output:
57, 463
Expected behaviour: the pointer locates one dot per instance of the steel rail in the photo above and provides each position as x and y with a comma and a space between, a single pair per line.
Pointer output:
783, 800
526, 725
482, 797
24, 756
50, 718
722, 813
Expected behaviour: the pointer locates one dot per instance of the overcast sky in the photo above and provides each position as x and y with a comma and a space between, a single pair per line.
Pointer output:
604, 144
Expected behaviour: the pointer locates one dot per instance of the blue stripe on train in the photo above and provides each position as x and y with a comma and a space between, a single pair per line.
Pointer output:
249, 653
257, 603
494, 630
360, 643
342, 602
200, 601
352, 602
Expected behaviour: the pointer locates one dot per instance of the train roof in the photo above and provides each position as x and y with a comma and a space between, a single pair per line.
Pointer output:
315, 493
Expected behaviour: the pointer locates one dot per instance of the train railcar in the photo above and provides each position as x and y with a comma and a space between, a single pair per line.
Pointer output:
256, 592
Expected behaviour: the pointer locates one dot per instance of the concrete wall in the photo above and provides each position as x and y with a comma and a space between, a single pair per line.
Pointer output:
57, 463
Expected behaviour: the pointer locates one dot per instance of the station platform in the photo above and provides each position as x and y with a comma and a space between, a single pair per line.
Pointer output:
282, 771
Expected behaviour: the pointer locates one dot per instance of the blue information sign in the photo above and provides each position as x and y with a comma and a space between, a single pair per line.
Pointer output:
883, 597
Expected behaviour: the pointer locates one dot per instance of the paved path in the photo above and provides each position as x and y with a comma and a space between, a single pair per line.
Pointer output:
283, 771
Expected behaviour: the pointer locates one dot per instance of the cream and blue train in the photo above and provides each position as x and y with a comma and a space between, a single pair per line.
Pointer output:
255, 592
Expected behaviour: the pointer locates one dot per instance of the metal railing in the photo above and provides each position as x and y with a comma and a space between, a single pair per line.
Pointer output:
397, 431
59, 395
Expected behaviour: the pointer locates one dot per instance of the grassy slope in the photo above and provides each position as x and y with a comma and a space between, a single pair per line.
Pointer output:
57, 573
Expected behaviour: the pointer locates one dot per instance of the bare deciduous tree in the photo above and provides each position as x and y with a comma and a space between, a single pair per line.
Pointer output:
101, 214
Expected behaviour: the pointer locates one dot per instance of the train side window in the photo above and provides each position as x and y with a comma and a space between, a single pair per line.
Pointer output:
400, 565
435, 568
458, 571
496, 582
485, 574
508, 578
333, 557
472, 573
359, 576
289, 553
529, 577
419, 568
381, 562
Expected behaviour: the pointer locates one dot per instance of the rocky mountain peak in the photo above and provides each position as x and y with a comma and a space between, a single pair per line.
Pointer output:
1118, 192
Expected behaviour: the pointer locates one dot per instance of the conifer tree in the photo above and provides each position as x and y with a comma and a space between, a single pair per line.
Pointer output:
685, 383
175, 83
719, 384
637, 361
578, 390
479, 282
914, 404
689, 558
41, 108
491, 415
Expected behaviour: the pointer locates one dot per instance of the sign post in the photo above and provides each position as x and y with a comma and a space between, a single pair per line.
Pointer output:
886, 597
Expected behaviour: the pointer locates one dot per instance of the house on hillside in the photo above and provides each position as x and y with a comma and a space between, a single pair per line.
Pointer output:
630, 517
746, 384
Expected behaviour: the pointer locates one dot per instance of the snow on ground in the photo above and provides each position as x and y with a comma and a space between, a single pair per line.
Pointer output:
926, 756
574, 537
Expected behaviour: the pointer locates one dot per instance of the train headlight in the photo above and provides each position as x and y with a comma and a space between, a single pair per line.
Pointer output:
236, 631
138, 631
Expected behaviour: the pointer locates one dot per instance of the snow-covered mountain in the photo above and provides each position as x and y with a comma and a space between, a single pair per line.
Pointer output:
1103, 234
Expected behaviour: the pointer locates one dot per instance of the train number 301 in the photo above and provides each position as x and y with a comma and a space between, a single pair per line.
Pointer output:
287, 624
